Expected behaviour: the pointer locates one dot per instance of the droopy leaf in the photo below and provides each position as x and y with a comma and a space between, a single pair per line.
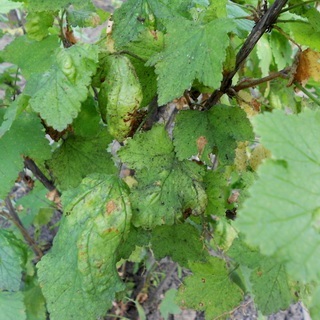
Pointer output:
58, 93
17, 142
30, 55
216, 294
182, 242
197, 133
282, 214
269, 281
80, 156
79, 275
12, 259
187, 55
166, 187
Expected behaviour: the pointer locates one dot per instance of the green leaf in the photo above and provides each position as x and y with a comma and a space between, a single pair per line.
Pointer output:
25, 138
87, 123
58, 93
182, 242
34, 301
30, 55
197, 133
187, 56
12, 260
79, 276
282, 214
269, 281
142, 152
216, 294
264, 53
32, 204
84, 17
315, 306
12, 112
215, 186
80, 156
43, 5
168, 304
38, 23
12, 306
283, 54
166, 187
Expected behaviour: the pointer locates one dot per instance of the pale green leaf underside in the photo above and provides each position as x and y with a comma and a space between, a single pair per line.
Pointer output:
58, 93
25, 138
221, 127
282, 215
79, 275
209, 289
12, 306
196, 54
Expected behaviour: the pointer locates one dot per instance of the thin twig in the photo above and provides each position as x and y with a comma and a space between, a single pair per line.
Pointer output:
255, 82
297, 5
307, 93
13, 216
266, 22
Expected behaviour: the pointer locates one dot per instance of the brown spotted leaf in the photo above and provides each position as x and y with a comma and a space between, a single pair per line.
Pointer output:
79, 275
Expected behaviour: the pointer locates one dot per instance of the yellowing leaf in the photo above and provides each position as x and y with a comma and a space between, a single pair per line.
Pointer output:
308, 66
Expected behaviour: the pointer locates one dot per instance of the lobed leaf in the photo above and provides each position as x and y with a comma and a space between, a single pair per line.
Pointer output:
12, 306
216, 293
198, 133
58, 93
282, 214
196, 54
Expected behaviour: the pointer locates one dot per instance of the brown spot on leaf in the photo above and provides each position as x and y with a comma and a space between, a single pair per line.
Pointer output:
201, 143
110, 207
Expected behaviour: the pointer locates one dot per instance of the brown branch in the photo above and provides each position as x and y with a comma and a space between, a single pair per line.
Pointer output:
13, 216
284, 74
265, 23
30, 164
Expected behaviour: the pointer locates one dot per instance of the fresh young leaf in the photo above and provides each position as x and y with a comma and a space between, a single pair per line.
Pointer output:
264, 53
289, 180
13, 256
79, 275
17, 143
187, 54
38, 23
12, 306
264, 271
168, 304
166, 187
197, 133
216, 294
30, 55
175, 240
79, 156
58, 93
